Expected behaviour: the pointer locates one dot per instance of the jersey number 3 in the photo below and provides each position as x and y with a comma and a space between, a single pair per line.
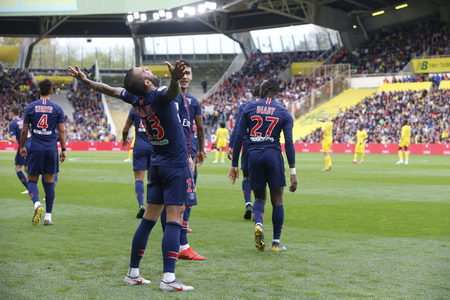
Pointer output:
43, 122
156, 126
259, 121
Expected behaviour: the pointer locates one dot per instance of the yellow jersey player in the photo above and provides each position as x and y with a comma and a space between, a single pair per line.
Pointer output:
221, 142
327, 141
361, 139
404, 144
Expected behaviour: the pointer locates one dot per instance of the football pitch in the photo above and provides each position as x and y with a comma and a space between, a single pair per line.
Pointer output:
375, 230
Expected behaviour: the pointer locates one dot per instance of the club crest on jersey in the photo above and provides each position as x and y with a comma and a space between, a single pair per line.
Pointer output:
265, 110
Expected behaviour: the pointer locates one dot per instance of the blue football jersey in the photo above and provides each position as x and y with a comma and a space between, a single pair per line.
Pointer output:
264, 120
44, 117
141, 141
163, 128
194, 110
238, 118
15, 128
182, 106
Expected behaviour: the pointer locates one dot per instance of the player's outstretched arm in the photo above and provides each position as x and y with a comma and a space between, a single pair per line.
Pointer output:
23, 139
62, 141
125, 130
201, 155
290, 152
176, 73
98, 86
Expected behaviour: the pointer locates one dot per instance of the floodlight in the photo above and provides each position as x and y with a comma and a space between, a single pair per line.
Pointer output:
169, 15
136, 15
130, 18
180, 13
189, 10
201, 8
155, 16
401, 6
377, 13
162, 13
211, 5
143, 17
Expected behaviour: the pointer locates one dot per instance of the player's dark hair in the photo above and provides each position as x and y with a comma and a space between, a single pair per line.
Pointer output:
222, 125
269, 87
45, 87
186, 63
257, 90
361, 127
134, 83
405, 122
15, 111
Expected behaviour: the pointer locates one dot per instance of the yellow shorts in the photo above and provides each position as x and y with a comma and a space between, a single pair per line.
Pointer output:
221, 144
326, 144
359, 148
403, 144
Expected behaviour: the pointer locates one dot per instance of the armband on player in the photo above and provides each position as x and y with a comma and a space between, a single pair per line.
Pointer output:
63, 149
293, 171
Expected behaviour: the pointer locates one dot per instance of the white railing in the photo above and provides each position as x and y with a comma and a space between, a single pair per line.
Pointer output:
105, 104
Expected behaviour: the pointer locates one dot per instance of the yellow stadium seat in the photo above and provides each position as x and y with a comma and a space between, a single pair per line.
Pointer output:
308, 123
444, 85
404, 86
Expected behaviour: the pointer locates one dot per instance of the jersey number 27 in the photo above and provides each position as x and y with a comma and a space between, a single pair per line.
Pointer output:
259, 122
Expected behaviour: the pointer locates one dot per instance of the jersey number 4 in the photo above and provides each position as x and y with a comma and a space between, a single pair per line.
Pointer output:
43, 122
259, 122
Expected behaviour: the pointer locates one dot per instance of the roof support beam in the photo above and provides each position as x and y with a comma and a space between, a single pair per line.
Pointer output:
47, 25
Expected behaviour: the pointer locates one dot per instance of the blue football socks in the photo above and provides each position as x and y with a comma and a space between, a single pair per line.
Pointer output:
171, 246
22, 178
258, 211
277, 221
49, 189
140, 240
139, 189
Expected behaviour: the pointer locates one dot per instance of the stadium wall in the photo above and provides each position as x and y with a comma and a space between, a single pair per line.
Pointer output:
426, 149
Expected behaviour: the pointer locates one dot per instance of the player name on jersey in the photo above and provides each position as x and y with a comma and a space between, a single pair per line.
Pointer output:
43, 109
265, 110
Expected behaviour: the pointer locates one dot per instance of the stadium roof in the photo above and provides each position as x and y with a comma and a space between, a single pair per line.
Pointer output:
230, 16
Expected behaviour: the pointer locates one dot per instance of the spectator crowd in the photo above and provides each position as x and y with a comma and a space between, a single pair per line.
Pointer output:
90, 122
16, 90
382, 116
390, 50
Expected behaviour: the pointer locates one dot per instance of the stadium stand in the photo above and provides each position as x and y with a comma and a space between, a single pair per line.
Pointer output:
382, 114
390, 50
17, 89
240, 85
90, 122
308, 123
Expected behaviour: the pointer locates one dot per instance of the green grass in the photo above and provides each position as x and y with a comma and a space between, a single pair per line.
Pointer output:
376, 230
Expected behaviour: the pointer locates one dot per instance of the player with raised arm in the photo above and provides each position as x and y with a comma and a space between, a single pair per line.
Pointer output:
327, 141
265, 119
403, 146
46, 120
170, 185
246, 189
189, 111
142, 155
221, 142
360, 147
15, 130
